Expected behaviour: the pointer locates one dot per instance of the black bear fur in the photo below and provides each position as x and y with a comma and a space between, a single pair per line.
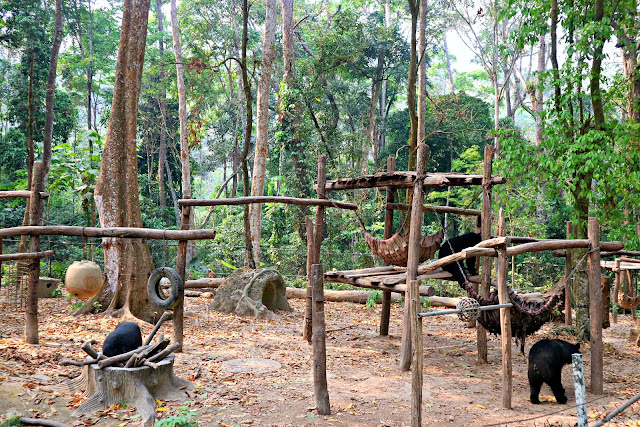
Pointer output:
546, 359
124, 338
456, 244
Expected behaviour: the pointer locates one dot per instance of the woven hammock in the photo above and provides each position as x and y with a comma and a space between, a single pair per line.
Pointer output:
395, 249
526, 316
629, 302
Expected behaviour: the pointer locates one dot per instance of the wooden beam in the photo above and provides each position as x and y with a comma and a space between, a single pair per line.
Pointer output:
568, 266
595, 308
321, 390
487, 261
505, 316
552, 244
26, 255
413, 259
407, 179
128, 232
268, 199
437, 209
616, 290
385, 312
23, 194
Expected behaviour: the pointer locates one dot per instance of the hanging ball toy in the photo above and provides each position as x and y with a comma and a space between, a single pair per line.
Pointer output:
469, 308
83, 279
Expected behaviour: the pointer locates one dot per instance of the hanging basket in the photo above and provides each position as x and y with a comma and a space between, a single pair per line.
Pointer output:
395, 249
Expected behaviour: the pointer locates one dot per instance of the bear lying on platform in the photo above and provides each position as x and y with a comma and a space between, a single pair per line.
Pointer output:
124, 338
546, 359
456, 244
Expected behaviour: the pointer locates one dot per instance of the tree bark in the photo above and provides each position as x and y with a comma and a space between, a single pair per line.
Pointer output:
539, 93
262, 131
127, 262
422, 72
411, 88
162, 104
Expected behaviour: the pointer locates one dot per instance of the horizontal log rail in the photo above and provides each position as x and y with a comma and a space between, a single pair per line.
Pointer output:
541, 245
22, 194
616, 253
437, 209
406, 180
127, 232
268, 199
25, 255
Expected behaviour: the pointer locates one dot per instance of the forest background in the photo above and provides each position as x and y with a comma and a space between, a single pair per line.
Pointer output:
556, 91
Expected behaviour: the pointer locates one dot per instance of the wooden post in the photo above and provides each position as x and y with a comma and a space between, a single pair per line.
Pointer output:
567, 277
416, 340
415, 234
35, 218
388, 232
1, 246
505, 315
487, 262
606, 301
316, 241
616, 289
181, 268
595, 307
308, 312
319, 344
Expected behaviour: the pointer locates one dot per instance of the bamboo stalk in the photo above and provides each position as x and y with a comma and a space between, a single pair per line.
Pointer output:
268, 199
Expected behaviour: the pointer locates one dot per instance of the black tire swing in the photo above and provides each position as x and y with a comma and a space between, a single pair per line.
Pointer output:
155, 291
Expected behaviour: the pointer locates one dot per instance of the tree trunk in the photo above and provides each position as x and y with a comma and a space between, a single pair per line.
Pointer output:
182, 113
446, 57
291, 108
248, 97
383, 94
422, 72
376, 87
162, 104
262, 131
411, 89
539, 98
127, 262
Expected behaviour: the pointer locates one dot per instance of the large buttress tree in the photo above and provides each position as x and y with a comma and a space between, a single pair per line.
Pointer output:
127, 261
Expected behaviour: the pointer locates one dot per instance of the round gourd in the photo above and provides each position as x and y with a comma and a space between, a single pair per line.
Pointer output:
83, 279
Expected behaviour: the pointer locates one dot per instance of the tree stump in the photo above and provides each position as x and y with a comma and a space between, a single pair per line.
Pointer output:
138, 387
253, 293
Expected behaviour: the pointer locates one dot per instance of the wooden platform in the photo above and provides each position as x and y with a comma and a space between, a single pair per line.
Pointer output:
388, 278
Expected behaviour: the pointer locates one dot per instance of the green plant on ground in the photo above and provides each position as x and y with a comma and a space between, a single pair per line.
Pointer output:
373, 298
184, 418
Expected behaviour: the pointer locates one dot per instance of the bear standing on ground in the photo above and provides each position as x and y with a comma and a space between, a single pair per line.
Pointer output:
546, 359
124, 338
456, 244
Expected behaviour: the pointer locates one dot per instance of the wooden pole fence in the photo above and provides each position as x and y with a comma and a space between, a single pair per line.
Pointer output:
437, 209
22, 194
26, 255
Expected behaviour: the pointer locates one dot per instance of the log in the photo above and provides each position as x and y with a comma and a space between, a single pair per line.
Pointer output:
119, 358
165, 316
23, 194
268, 199
405, 179
321, 390
616, 290
385, 313
26, 255
458, 256
41, 422
437, 209
86, 347
487, 261
552, 244
505, 317
619, 253
595, 308
606, 301
128, 232
205, 282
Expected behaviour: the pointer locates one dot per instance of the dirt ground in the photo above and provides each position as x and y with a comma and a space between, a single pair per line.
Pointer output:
366, 387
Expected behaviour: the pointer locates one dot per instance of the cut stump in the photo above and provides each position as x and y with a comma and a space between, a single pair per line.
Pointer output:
139, 387
252, 293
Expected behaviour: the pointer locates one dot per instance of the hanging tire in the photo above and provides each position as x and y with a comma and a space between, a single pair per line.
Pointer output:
155, 291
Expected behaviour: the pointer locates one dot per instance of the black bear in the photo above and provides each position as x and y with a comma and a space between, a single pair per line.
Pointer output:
124, 338
546, 359
456, 244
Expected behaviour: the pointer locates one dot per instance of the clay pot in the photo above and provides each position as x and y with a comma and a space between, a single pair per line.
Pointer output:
83, 279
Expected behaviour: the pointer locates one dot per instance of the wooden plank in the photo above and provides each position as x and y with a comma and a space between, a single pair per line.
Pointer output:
595, 308
130, 232
268, 199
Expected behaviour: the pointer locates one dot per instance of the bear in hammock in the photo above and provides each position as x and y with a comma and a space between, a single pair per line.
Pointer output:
546, 359
456, 244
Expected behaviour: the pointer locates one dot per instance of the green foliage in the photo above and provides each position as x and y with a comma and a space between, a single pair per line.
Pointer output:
184, 418
374, 298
